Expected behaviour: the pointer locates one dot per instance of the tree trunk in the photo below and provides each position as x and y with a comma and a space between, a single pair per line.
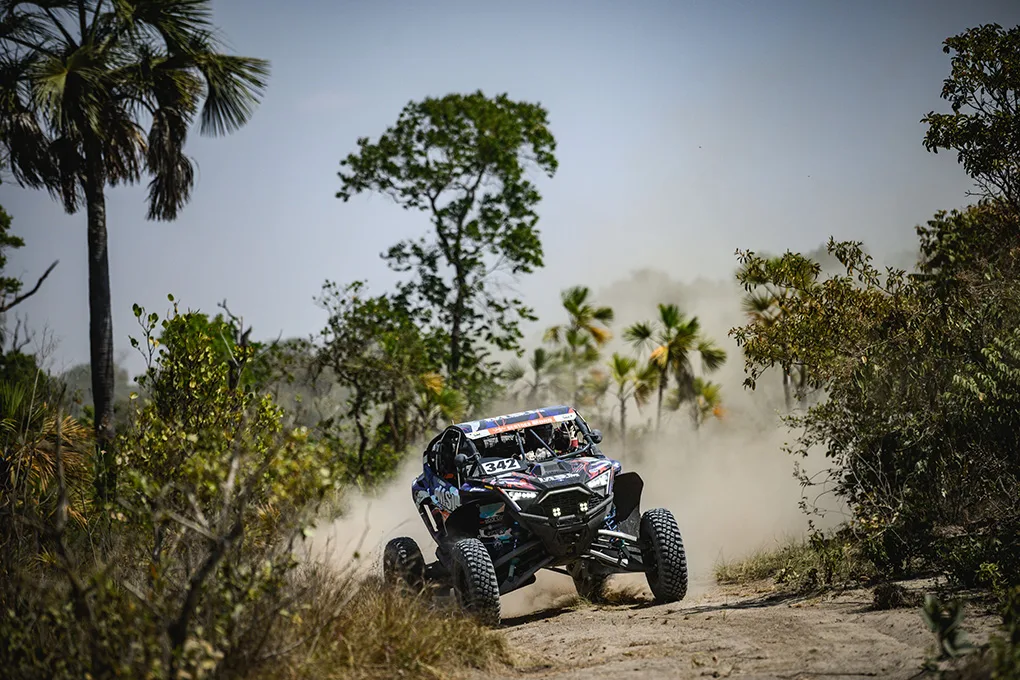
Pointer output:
786, 389
455, 332
802, 386
100, 321
623, 423
658, 412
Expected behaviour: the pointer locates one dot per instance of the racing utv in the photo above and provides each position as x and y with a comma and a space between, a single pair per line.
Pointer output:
507, 496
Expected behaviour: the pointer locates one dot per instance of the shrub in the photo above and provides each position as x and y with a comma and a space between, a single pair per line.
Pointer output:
820, 562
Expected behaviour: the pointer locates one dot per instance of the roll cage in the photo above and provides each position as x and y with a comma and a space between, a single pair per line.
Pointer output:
448, 454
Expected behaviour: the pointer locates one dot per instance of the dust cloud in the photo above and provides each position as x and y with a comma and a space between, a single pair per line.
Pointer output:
729, 483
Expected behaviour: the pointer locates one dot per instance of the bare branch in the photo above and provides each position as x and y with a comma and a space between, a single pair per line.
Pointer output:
21, 298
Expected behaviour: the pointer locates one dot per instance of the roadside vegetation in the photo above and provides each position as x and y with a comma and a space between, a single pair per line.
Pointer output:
154, 526
908, 380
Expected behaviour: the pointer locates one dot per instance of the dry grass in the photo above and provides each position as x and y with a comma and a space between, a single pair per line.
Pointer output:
364, 631
799, 565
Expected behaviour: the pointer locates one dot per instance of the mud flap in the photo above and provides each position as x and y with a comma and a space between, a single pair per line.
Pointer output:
627, 489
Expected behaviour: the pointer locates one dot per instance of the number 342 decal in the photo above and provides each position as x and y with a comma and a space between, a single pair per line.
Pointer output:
503, 465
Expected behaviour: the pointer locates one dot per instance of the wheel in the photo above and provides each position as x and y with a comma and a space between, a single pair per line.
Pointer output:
663, 556
590, 586
474, 580
403, 564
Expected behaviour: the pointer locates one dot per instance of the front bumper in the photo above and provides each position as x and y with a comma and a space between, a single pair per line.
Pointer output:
567, 536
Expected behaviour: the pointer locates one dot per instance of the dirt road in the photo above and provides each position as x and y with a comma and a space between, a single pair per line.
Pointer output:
725, 632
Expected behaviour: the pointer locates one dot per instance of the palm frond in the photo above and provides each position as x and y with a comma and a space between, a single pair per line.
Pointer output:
712, 357
638, 334
670, 315
604, 315
513, 371
234, 88
600, 335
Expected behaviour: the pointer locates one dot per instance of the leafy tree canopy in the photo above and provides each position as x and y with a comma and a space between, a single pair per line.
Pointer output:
462, 159
984, 127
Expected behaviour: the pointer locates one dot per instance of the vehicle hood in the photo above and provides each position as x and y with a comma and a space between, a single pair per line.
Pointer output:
553, 474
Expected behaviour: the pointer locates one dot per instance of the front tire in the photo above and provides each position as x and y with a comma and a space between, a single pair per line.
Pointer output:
663, 555
474, 581
403, 564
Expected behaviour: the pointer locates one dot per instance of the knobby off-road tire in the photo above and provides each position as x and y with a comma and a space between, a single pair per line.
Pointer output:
663, 555
474, 580
403, 564
591, 587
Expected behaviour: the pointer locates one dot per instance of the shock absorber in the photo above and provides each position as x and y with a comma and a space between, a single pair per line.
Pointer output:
611, 520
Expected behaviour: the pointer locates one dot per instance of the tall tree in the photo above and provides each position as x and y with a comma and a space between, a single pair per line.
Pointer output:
983, 89
672, 339
79, 79
766, 301
631, 381
462, 160
582, 337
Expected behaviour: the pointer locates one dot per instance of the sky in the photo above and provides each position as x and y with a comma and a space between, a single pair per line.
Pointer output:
685, 130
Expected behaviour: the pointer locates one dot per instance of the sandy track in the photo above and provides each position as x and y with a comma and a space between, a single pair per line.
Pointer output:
724, 633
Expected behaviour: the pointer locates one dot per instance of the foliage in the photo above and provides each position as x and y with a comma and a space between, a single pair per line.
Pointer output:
821, 562
631, 381
984, 127
372, 347
31, 430
366, 631
78, 81
78, 75
211, 500
671, 340
462, 159
944, 620
705, 401
918, 371
11, 293
536, 385
765, 301
581, 338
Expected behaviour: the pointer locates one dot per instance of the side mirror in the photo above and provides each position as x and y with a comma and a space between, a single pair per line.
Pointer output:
596, 436
460, 460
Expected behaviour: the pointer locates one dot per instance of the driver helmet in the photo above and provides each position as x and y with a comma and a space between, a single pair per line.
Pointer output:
546, 433
561, 440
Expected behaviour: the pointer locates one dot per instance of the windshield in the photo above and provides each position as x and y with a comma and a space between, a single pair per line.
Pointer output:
514, 450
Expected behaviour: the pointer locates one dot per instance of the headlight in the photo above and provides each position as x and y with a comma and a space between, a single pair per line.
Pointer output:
520, 497
601, 483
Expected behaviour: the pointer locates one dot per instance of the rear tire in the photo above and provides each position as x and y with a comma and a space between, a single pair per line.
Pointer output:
663, 555
591, 587
403, 564
474, 581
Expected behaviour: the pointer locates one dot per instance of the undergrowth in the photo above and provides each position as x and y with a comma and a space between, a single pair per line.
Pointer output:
800, 565
367, 631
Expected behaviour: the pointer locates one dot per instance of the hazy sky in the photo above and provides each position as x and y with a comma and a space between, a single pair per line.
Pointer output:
685, 130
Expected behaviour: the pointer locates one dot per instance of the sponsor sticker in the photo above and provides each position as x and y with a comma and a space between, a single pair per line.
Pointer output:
448, 498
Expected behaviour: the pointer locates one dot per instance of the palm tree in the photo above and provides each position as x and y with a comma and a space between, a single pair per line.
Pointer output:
672, 339
631, 382
535, 384
584, 334
78, 80
706, 401
436, 402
